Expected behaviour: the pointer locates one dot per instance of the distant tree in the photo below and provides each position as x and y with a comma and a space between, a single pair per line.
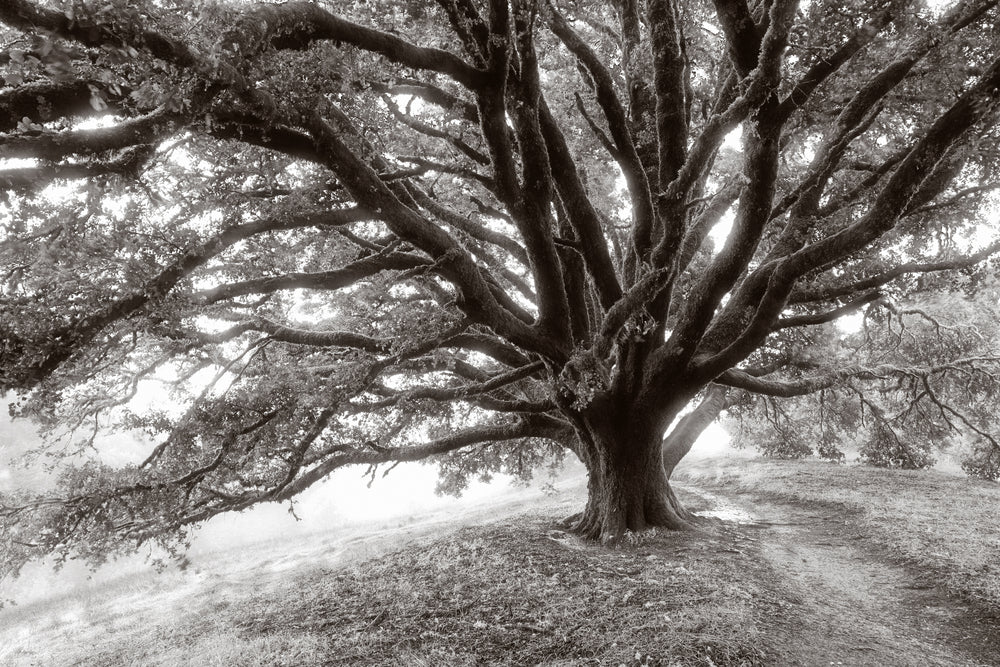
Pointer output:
477, 230
931, 385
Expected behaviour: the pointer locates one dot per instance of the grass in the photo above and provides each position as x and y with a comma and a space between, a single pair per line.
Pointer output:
944, 526
512, 589
512, 593
506, 595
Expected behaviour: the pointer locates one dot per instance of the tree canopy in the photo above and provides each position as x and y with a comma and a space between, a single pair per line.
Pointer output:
477, 230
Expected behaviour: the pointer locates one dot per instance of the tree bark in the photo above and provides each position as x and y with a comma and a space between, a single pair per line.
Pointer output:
627, 489
683, 436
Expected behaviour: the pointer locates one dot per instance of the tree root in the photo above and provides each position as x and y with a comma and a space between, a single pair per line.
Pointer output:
590, 527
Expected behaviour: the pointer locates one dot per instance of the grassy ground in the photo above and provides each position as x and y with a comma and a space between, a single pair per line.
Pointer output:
516, 592
510, 588
945, 527
507, 595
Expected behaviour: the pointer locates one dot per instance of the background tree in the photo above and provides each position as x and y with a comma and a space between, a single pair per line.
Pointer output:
931, 386
485, 239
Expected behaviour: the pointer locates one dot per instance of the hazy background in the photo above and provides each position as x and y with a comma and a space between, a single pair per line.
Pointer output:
342, 505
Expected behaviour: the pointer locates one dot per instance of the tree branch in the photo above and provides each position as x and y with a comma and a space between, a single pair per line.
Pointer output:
324, 280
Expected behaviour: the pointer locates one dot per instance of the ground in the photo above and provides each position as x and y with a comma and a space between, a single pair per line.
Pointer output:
796, 564
845, 602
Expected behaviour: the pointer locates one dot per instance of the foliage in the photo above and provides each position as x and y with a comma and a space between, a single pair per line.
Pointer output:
338, 244
899, 420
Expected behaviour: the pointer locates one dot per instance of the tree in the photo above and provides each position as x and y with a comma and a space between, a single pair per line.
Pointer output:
486, 240
931, 386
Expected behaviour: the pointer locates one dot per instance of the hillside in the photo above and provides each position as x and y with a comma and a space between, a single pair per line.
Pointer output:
821, 565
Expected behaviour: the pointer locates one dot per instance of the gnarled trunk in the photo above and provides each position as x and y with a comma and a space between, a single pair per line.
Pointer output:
627, 488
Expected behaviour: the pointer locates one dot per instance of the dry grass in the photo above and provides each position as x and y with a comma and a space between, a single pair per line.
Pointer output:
511, 593
945, 526
506, 595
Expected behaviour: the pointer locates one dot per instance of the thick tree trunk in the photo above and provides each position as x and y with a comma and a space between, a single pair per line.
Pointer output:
627, 487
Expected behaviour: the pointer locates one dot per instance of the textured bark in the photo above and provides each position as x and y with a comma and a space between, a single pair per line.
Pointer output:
627, 488
683, 436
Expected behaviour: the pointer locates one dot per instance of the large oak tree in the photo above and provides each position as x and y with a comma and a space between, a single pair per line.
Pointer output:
477, 230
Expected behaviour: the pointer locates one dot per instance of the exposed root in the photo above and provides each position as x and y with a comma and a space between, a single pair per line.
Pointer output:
608, 531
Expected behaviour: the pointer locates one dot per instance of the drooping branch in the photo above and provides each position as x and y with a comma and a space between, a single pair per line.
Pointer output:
65, 340
202, 490
826, 379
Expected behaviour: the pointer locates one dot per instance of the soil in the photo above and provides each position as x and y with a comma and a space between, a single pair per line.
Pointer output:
842, 602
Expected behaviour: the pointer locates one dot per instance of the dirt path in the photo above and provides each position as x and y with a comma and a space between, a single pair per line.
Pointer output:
845, 604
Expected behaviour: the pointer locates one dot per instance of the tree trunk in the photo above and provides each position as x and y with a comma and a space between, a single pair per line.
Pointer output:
627, 488
683, 436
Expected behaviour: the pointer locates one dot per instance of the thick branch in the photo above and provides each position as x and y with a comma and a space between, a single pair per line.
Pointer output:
524, 427
54, 146
293, 25
682, 437
742, 33
322, 280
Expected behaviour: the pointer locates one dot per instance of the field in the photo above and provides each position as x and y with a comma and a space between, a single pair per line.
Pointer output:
944, 527
823, 564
